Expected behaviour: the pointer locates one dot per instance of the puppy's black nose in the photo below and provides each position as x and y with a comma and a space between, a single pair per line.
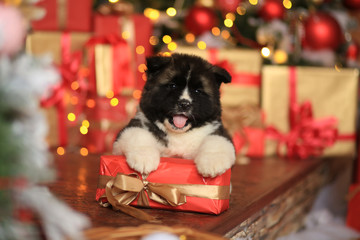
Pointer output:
184, 105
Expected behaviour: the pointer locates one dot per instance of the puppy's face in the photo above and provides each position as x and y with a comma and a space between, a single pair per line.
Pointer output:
182, 92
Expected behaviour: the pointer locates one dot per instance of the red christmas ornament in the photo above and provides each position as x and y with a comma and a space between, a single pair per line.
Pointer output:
352, 52
228, 5
322, 31
272, 9
351, 4
200, 19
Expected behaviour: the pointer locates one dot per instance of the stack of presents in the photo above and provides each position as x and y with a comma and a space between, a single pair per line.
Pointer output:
99, 66
290, 111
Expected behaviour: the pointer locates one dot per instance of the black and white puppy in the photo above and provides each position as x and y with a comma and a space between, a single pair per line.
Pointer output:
179, 115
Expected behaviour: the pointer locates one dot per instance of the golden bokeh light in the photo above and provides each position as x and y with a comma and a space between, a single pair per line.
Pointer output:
109, 94
215, 31
189, 37
265, 52
201, 45
172, 46
125, 35
142, 68
225, 34
166, 39
253, 2
74, 85
114, 102
230, 16
228, 23
84, 151
83, 130
140, 49
60, 151
71, 117
90, 103
153, 40
171, 11
136, 94
85, 123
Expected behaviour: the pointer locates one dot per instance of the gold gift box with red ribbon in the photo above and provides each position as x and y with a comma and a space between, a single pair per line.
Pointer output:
122, 186
309, 110
110, 66
66, 50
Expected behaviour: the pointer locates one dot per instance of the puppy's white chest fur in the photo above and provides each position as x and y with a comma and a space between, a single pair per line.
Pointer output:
186, 145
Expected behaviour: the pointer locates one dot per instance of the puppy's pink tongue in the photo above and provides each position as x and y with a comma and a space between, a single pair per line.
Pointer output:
179, 121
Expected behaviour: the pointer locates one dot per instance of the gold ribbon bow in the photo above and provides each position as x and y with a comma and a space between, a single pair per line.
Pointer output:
123, 189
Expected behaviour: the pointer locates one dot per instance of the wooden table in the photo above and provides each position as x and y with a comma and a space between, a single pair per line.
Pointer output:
257, 188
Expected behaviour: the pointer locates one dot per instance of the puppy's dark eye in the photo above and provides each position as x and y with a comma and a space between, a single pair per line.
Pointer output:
172, 86
199, 91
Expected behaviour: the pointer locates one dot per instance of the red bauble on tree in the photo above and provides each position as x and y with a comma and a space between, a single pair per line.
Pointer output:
322, 31
200, 19
272, 9
228, 5
351, 4
352, 52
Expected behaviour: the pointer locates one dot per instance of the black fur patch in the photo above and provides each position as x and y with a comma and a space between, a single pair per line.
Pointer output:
159, 134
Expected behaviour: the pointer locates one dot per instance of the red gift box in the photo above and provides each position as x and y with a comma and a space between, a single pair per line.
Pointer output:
206, 195
352, 218
251, 143
65, 15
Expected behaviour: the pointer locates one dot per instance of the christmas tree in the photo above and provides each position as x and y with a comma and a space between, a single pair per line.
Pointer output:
26, 162
313, 32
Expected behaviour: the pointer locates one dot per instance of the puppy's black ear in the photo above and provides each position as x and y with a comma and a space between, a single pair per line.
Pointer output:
156, 63
222, 76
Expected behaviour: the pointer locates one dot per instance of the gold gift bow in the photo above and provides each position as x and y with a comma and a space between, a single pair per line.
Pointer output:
124, 189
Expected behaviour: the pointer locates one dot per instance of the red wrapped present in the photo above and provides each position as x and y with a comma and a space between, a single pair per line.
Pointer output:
136, 29
162, 189
352, 218
245, 125
65, 15
250, 142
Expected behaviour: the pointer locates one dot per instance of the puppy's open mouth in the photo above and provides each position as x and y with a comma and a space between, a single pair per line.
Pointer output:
179, 121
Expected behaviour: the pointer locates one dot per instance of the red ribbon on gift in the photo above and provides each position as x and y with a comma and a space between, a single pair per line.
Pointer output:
237, 77
122, 72
57, 100
70, 70
307, 136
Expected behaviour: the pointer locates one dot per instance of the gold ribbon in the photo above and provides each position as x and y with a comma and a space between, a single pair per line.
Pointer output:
123, 189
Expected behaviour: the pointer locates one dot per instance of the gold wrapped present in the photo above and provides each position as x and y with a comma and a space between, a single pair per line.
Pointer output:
40, 43
310, 110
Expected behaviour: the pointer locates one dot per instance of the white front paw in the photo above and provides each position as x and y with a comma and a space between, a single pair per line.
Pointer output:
143, 161
216, 155
212, 164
